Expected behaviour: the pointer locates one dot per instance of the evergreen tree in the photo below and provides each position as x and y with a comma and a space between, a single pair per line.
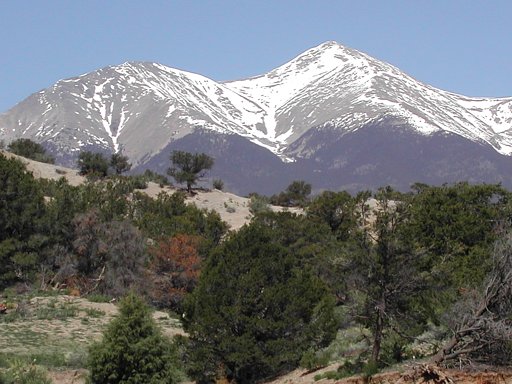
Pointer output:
92, 164
120, 163
256, 310
480, 322
189, 167
336, 209
64, 202
456, 225
21, 210
133, 349
169, 215
388, 272
313, 244
31, 150
296, 194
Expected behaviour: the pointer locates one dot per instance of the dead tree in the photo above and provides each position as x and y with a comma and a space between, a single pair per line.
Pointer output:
482, 321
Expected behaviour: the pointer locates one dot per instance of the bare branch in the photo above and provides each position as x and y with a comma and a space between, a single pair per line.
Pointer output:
483, 327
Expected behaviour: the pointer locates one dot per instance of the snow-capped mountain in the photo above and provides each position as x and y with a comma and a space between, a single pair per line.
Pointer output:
134, 107
341, 87
304, 112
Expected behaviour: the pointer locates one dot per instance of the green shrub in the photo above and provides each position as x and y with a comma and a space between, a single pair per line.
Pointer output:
133, 349
56, 311
138, 182
98, 298
93, 165
10, 317
312, 360
156, 178
296, 194
4, 360
370, 368
31, 150
258, 204
48, 359
77, 359
218, 184
119, 163
229, 208
22, 207
257, 308
96, 313
349, 368
19, 372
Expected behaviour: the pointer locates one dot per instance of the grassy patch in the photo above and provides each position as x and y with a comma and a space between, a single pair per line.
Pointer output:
51, 359
97, 298
54, 332
56, 311
22, 372
95, 313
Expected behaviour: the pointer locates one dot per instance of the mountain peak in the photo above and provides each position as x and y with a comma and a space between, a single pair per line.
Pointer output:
332, 48
145, 108
326, 57
330, 45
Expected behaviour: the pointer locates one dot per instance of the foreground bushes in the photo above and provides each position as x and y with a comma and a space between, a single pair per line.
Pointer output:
262, 299
133, 349
20, 372
258, 307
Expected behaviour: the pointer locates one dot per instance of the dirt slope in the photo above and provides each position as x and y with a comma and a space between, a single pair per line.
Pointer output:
410, 374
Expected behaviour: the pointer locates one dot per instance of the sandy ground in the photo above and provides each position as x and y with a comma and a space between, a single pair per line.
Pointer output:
48, 171
233, 209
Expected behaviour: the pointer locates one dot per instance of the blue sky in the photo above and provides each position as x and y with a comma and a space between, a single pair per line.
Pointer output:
464, 46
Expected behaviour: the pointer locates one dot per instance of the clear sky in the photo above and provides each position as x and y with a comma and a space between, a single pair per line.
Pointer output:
463, 46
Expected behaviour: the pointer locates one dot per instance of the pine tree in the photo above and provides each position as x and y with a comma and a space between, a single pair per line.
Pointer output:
92, 164
189, 167
256, 310
120, 163
31, 150
21, 209
133, 349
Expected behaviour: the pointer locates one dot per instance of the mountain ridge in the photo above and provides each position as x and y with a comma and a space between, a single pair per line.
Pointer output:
144, 108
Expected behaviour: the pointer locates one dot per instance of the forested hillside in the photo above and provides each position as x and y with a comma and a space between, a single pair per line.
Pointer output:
367, 280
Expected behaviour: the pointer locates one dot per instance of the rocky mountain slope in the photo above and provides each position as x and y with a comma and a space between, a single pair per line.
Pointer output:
332, 116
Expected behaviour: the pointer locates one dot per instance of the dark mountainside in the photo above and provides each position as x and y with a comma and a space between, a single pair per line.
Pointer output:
371, 157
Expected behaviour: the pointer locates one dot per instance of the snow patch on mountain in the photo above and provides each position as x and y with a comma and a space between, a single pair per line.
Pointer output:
139, 107
331, 84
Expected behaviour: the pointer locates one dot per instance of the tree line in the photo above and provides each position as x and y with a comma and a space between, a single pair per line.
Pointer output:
262, 300
186, 167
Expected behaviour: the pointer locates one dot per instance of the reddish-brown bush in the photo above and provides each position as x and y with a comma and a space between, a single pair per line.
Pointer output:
174, 269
